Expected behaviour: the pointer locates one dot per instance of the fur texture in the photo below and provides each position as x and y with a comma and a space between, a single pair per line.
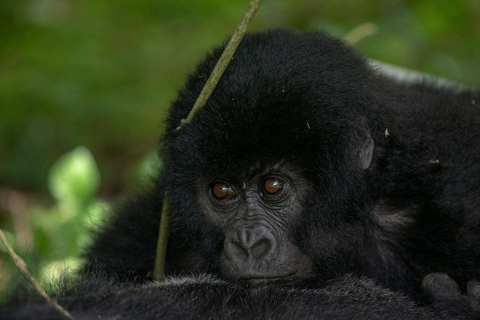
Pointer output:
204, 296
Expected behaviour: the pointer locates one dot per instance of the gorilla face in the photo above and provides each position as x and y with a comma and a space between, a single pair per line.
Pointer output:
257, 217
272, 216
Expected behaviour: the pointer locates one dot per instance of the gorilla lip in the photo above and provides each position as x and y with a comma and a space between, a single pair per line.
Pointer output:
261, 279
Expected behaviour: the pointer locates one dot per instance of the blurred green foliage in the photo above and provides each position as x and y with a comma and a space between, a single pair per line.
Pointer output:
59, 232
101, 74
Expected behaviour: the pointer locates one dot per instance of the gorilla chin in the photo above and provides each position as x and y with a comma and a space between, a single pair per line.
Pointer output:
254, 274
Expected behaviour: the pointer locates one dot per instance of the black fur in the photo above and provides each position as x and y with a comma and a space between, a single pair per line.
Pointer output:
304, 105
205, 297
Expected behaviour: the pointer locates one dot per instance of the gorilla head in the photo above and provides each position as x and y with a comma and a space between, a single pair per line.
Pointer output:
271, 170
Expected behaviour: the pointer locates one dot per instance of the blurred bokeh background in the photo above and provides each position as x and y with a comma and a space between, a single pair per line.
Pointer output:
85, 85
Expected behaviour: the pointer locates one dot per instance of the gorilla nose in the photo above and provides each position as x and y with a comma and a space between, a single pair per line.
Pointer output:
255, 244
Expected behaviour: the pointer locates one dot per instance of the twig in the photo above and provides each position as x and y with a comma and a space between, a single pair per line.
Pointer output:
359, 33
225, 58
16, 204
223, 62
22, 267
159, 269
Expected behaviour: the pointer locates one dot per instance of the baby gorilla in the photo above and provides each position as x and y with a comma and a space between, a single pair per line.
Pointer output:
307, 162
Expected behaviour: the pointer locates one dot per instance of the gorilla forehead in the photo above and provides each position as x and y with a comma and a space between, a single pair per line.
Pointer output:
241, 141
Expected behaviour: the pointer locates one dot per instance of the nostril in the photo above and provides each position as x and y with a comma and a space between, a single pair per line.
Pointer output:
235, 251
261, 248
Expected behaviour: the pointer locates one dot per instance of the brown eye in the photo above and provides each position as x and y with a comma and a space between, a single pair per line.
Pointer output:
272, 187
222, 191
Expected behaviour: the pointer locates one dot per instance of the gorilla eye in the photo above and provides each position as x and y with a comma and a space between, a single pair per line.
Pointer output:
223, 192
272, 187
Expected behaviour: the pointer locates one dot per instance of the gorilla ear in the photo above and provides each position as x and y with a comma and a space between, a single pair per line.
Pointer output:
365, 154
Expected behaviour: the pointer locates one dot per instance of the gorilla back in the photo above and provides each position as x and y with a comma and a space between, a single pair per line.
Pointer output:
307, 163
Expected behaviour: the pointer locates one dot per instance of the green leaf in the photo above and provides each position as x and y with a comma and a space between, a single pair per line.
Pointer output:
75, 177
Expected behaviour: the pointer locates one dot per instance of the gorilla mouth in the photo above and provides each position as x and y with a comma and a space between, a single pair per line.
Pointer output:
273, 278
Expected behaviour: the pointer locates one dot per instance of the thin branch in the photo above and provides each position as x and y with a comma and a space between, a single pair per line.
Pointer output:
22, 267
159, 269
225, 58
361, 32
223, 62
